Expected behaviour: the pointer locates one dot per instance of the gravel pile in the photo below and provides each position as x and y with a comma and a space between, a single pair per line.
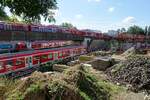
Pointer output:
135, 71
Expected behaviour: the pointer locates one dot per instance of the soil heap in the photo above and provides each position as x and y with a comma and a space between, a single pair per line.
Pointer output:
134, 71
75, 83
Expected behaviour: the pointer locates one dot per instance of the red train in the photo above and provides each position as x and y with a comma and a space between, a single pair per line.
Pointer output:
50, 44
16, 64
131, 37
22, 45
59, 29
50, 29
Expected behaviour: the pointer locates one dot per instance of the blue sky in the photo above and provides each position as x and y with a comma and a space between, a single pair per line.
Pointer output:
103, 14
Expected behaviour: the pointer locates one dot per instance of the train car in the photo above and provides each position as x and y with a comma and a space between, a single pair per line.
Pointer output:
50, 44
45, 29
6, 47
2, 25
16, 46
19, 27
17, 63
20, 46
82, 33
54, 29
34, 28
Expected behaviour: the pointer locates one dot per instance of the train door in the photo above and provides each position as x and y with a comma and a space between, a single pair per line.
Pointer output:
29, 45
29, 61
71, 52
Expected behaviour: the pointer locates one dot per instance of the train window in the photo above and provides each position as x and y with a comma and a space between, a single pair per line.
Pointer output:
50, 56
19, 61
56, 55
60, 54
9, 63
36, 57
63, 53
28, 60
44, 56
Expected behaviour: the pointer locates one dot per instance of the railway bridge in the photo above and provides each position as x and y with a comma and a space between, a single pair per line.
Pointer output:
21, 32
86, 40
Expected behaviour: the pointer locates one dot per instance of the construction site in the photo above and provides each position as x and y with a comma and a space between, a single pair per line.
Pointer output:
99, 75
74, 50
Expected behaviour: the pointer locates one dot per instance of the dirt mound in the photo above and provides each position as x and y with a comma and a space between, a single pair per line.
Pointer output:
75, 83
134, 71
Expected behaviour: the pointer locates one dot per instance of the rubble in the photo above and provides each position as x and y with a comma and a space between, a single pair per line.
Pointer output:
59, 68
129, 52
134, 71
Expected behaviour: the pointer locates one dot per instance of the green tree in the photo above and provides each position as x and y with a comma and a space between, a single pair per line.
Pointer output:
118, 31
31, 10
67, 25
123, 30
13, 18
3, 15
148, 30
135, 30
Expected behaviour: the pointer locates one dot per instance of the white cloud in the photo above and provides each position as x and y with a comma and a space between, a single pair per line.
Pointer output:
94, 0
129, 20
79, 16
111, 9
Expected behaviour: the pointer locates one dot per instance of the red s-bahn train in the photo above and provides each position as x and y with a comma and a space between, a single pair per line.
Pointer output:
51, 29
18, 64
58, 29
14, 46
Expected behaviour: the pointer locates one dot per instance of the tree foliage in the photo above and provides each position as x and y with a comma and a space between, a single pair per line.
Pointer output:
67, 25
135, 30
3, 15
123, 30
148, 29
31, 9
13, 18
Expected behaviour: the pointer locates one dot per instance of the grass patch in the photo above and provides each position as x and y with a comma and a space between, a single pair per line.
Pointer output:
85, 58
84, 95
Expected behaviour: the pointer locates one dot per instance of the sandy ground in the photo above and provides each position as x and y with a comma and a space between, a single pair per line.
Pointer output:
129, 96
